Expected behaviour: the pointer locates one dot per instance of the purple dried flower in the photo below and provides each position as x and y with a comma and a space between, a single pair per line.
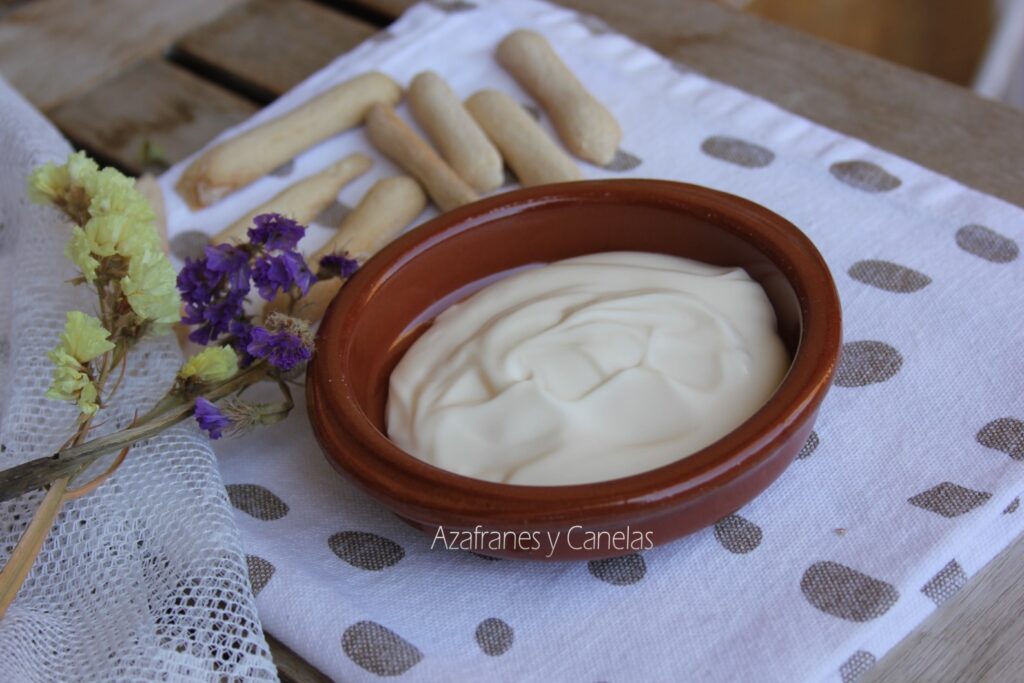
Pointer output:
195, 283
338, 265
213, 289
284, 350
211, 420
275, 232
215, 317
231, 262
241, 337
272, 274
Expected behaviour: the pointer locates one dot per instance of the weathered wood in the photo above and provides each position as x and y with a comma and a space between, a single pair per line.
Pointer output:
55, 50
267, 46
151, 115
291, 667
945, 38
8, 5
976, 636
385, 8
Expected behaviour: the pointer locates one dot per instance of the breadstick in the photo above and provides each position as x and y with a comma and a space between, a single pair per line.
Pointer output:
527, 148
454, 132
393, 137
585, 126
251, 155
304, 200
389, 206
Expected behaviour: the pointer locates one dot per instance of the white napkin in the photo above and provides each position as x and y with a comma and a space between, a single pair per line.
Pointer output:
907, 488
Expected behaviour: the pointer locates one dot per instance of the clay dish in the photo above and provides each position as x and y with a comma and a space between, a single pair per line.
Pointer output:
394, 297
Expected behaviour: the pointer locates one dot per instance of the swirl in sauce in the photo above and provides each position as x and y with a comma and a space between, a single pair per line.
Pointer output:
587, 369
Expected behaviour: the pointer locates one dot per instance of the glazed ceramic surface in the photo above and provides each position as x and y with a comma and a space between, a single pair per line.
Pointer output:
394, 297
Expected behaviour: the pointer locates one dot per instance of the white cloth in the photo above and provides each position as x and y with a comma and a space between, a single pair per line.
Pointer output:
813, 580
143, 579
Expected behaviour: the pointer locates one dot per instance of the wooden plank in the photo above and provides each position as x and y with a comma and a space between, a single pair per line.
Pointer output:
267, 46
291, 667
8, 5
977, 635
153, 104
385, 8
945, 38
55, 50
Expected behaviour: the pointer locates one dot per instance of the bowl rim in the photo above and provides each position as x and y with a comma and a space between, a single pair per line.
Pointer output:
363, 452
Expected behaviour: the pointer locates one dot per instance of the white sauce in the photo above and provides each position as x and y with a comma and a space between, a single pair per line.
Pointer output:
592, 368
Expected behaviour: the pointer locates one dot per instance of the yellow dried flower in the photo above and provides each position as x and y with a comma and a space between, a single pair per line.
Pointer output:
74, 385
150, 287
84, 339
113, 218
79, 250
48, 183
212, 364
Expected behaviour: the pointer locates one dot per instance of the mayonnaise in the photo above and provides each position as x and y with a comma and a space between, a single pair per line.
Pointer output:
592, 368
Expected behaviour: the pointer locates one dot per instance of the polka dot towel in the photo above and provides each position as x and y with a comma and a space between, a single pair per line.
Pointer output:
908, 485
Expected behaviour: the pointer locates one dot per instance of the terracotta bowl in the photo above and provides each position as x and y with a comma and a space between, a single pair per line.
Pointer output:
394, 297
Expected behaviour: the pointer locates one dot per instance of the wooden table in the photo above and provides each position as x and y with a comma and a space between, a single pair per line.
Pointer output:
143, 83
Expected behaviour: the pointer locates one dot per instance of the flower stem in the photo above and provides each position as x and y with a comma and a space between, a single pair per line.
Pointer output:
31, 542
74, 459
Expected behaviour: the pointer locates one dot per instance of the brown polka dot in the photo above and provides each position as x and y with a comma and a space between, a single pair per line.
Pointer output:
382, 36
1005, 434
949, 499
379, 650
533, 110
736, 151
946, 583
867, 362
260, 572
190, 244
809, 446
332, 216
596, 26
619, 571
453, 5
865, 176
1012, 507
257, 501
284, 170
680, 67
889, 276
484, 557
737, 534
494, 636
859, 663
365, 550
623, 161
847, 593
986, 243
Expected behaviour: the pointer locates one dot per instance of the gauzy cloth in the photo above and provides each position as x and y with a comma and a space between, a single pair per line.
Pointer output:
908, 485
143, 579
